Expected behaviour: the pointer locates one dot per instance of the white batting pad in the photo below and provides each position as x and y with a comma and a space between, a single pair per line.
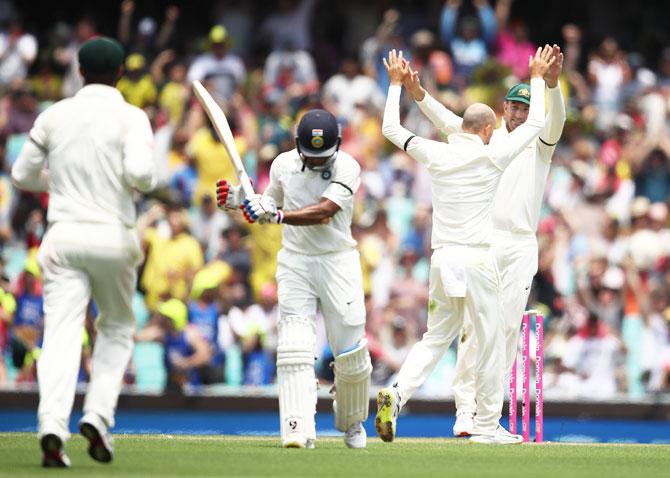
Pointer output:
296, 379
352, 386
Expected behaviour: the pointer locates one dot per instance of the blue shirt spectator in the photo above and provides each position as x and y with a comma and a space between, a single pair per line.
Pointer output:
469, 49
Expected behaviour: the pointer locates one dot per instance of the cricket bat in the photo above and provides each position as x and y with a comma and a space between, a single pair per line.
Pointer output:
222, 128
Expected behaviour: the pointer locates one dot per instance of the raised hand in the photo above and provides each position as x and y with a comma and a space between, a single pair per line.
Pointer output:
396, 67
413, 85
551, 76
540, 63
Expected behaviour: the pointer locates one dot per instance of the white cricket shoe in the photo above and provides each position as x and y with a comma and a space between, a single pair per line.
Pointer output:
465, 423
356, 436
500, 437
388, 409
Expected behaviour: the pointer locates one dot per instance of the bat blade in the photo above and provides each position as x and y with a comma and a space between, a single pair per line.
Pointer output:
218, 119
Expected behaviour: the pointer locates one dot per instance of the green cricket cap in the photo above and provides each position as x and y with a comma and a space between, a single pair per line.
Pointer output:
520, 92
101, 55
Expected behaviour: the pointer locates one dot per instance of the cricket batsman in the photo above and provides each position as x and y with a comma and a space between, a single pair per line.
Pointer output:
89, 152
516, 212
311, 192
463, 277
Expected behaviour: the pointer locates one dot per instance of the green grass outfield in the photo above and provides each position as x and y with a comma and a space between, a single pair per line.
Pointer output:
228, 456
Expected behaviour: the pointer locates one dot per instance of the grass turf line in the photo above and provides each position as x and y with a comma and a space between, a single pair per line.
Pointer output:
233, 456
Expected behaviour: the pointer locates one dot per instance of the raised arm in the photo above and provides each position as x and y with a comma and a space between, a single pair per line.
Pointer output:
448, 21
415, 146
505, 151
553, 127
438, 114
487, 18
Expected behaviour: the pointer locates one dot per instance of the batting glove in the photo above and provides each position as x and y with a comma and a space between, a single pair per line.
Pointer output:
261, 209
228, 196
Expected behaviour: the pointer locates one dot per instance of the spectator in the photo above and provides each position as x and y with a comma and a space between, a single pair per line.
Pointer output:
469, 47
345, 90
394, 350
174, 92
18, 50
7, 309
203, 314
433, 64
146, 42
258, 364
289, 75
208, 224
28, 322
238, 255
66, 55
137, 86
224, 70
387, 36
291, 23
21, 115
185, 350
608, 72
588, 365
513, 46
172, 258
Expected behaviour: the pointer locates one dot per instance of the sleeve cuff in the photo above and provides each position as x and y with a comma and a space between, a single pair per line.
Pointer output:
537, 82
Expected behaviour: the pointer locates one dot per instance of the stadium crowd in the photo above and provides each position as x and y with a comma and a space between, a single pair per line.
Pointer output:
206, 298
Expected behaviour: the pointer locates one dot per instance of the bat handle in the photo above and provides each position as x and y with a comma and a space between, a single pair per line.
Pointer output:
246, 185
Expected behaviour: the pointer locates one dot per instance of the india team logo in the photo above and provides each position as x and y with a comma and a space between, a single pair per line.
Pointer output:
317, 138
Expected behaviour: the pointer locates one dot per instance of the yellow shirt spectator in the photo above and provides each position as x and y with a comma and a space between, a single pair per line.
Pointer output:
172, 98
265, 243
170, 267
139, 93
211, 162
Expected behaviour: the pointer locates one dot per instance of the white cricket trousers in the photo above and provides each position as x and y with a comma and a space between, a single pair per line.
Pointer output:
445, 321
333, 283
516, 257
80, 261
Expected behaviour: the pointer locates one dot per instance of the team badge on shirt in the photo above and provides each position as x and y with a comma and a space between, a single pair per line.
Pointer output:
317, 138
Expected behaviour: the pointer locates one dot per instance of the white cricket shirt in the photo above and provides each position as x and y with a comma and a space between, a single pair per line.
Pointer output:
89, 152
465, 172
518, 199
292, 189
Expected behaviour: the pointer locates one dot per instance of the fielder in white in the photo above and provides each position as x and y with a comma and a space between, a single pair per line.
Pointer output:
465, 174
516, 212
311, 192
89, 152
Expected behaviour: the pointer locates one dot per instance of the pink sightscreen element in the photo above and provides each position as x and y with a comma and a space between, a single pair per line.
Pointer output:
512, 399
525, 370
539, 370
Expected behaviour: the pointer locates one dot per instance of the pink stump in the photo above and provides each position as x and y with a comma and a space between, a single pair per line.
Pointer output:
512, 399
539, 370
525, 407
